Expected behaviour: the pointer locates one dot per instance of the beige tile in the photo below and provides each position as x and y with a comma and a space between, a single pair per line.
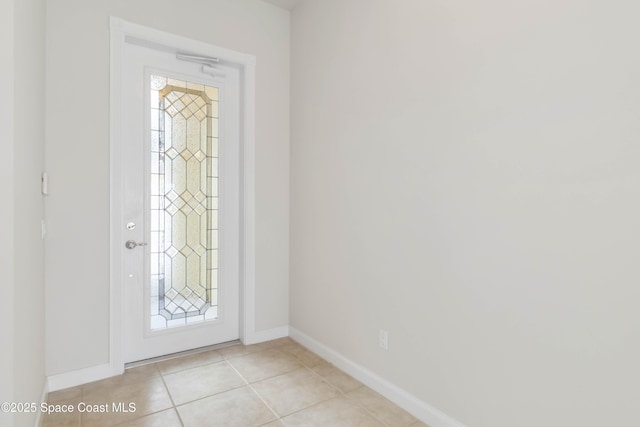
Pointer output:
131, 375
345, 383
149, 395
59, 403
292, 348
236, 350
337, 412
240, 407
296, 390
276, 423
196, 383
382, 408
68, 394
242, 350
265, 364
281, 341
140, 372
168, 418
419, 424
266, 345
309, 358
191, 361
272, 344
61, 419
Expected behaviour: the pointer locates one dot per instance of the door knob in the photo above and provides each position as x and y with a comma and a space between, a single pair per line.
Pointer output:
132, 245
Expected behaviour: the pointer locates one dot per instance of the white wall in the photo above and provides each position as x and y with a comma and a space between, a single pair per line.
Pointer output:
465, 175
77, 262
28, 163
22, 126
7, 280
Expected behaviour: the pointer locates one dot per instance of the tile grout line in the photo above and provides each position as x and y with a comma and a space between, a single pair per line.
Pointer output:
338, 389
322, 401
175, 408
205, 397
326, 400
228, 363
309, 366
256, 393
192, 367
154, 412
223, 358
344, 394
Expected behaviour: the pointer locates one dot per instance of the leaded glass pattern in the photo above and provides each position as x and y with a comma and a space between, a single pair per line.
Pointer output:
184, 202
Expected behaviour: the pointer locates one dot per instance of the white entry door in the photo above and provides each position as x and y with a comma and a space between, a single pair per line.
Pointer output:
180, 201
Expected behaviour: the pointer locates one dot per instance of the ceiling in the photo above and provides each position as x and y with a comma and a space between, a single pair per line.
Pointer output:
285, 4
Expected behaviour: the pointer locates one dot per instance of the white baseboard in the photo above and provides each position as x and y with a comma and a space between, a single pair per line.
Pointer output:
406, 401
99, 372
267, 335
79, 377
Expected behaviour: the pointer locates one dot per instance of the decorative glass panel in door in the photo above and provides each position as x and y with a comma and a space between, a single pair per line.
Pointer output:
184, 202
180, 166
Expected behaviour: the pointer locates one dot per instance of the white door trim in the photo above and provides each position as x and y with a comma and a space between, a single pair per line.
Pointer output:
121, 29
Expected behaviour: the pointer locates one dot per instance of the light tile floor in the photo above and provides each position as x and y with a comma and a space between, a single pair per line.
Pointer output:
277, 383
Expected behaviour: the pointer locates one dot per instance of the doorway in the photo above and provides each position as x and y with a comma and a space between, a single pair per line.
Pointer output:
182, 194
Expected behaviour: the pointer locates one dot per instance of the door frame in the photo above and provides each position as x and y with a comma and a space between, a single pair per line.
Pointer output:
120, 30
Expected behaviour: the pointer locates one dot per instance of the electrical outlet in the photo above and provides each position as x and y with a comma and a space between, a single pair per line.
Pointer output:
384, 339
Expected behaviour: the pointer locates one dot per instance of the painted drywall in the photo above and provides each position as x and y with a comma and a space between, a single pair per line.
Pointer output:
77, 209
465, 175
285, 4
7, 281
22, 362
